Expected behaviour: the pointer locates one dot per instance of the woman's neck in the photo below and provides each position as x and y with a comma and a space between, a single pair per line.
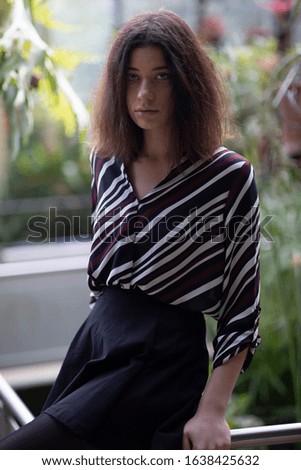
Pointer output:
156, 147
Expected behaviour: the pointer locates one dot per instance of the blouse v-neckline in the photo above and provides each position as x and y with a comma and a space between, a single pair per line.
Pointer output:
158, 185
179, 169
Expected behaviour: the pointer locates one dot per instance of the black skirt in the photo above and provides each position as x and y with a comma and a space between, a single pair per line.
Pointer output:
133, 375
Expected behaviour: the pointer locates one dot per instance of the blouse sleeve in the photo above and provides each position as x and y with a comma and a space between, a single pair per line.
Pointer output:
237, 325
93, 161
92, 158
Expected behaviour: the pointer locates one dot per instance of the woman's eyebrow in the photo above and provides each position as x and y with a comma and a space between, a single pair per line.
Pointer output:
160, 67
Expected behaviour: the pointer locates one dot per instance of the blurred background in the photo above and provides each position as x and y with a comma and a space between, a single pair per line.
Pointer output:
51, 57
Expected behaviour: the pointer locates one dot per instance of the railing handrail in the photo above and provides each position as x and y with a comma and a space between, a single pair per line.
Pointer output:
42, 204
266, 435
14, 404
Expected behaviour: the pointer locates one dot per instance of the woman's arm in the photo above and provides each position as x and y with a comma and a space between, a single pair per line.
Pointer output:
208, 428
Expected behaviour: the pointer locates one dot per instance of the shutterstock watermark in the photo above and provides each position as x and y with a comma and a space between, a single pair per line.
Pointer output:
54, 227
175, 229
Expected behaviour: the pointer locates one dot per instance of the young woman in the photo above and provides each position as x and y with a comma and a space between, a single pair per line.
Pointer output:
175, 237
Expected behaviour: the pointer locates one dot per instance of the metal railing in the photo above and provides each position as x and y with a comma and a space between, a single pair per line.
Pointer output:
266, 435
15, 414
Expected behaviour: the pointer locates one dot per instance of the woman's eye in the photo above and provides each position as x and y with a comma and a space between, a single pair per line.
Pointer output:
131, 77
163, 76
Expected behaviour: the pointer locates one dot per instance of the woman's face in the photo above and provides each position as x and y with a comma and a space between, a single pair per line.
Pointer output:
150, 95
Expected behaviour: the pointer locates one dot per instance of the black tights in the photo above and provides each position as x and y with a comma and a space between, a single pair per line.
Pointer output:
43, 433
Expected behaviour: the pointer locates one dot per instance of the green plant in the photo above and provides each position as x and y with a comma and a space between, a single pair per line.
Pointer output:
248, 70
30, 68
49, 167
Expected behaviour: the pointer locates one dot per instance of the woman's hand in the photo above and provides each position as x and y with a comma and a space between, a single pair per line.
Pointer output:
208, 428
203, 433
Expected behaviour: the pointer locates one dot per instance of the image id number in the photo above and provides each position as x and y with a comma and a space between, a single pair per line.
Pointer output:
222, 460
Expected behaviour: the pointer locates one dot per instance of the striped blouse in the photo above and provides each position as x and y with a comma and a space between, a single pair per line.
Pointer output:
192, 241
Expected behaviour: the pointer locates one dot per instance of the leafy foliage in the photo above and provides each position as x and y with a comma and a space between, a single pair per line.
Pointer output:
29, 68
248, 70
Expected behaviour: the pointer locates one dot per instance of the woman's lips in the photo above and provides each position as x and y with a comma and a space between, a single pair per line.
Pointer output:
146, 111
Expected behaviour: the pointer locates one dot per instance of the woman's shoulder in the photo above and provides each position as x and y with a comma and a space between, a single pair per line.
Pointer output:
225, 165
99, 163
229, 162
96, 158
226, 158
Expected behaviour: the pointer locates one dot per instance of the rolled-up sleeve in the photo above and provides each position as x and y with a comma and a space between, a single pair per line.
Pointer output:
238, 320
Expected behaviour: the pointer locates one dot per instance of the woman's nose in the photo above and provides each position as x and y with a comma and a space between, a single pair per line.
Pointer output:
145, 90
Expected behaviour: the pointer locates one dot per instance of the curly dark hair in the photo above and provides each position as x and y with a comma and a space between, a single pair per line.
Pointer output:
201, 103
